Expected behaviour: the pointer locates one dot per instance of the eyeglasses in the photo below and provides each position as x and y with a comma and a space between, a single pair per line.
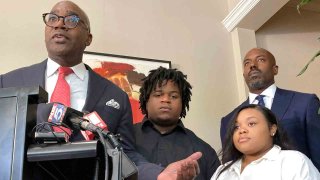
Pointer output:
70, 21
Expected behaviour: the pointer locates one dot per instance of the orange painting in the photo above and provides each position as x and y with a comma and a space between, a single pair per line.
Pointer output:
126, 72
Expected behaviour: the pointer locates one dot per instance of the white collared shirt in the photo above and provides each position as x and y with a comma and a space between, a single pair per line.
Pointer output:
78, 82
276, 164
268, 96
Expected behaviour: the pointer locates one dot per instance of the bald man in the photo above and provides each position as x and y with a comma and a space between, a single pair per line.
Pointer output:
297, 112
67, 34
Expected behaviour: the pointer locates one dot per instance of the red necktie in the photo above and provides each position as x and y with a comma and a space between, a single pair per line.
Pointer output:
61, 93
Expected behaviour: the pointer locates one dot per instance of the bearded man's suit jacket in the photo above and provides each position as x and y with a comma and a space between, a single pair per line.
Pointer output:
100, 91
298, 115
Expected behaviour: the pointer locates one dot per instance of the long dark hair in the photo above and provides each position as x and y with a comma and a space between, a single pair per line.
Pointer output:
157, 77
230, 153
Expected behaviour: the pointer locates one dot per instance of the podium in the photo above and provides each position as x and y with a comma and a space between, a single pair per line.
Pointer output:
17, 115
88, 158
21, 159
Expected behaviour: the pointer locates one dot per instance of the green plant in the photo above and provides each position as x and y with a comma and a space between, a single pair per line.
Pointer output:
310, 61
302, 3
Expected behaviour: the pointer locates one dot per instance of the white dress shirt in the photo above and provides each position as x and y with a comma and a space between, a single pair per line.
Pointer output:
268, 96
276, 164
78, 82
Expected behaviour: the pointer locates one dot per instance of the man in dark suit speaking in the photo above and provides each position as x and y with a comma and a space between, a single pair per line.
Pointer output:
297, 112
67, 33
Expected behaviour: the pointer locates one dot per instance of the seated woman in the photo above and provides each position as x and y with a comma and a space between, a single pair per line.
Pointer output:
255, 148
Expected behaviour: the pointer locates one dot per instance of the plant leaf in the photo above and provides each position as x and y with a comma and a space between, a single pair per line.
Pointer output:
302, 2
311, 60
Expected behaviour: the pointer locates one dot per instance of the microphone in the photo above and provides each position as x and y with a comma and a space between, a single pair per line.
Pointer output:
56, 114
85, 124
61, 114
95, 119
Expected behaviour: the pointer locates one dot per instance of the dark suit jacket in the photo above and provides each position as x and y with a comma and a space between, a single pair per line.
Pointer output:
100, 91
297, 114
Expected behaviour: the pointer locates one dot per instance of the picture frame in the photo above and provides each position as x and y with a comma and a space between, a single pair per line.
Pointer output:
126, 72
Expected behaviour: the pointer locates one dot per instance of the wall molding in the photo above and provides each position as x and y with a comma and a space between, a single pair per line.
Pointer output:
238, 13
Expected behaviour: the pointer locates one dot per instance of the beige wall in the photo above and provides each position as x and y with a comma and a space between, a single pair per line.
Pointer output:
232, 4
292, 38
188, 33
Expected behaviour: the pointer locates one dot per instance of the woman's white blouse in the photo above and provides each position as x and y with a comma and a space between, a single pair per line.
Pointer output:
276, 164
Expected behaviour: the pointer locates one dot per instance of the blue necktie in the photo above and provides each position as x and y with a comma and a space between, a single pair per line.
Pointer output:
260, 100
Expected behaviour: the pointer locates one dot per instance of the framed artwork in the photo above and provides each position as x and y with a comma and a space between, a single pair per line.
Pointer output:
125, 71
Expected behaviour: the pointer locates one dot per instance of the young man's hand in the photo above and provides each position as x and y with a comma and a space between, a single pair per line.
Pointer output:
186, 169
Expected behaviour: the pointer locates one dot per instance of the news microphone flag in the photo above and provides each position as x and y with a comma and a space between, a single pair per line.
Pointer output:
56, 116
57, 113
95, 119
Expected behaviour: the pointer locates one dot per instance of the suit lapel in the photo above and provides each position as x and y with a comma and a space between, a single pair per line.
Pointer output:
95, 90
245, 103
281, 102
36, 75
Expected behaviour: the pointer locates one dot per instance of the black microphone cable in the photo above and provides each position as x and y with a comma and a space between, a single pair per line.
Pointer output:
84, 124
104, 144
47, 127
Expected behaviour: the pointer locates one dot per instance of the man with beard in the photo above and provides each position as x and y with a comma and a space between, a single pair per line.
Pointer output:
296, 112
161, 137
